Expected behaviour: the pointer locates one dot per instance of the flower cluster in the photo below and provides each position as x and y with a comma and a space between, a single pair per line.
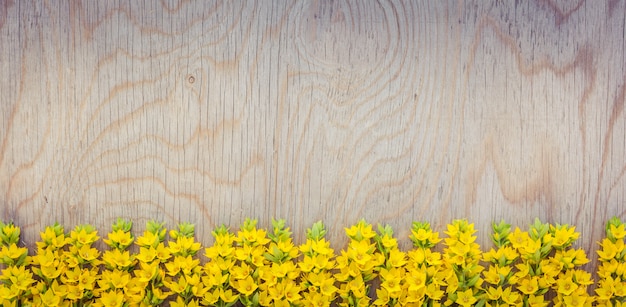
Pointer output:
611, 290
253, 267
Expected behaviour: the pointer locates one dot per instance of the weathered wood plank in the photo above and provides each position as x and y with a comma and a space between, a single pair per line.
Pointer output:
312, 110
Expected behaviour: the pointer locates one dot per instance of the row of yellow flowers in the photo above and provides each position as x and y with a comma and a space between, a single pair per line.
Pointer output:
254, 267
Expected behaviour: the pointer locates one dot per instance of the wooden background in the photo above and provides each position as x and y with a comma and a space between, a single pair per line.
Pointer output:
211, 112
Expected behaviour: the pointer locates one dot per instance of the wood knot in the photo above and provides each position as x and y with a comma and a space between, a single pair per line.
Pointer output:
191, 79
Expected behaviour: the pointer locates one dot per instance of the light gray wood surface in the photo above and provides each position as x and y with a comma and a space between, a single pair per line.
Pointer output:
211, 112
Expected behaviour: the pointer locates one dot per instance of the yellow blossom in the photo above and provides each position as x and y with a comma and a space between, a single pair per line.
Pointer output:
563, 236
518, 238
245, 286
465, 298
116, 258
574, 300
566, 285
162, 253
11, 254
148, 239
528, 285
119, 239
618, 232
253, 237
536, 301
49, 298
112, 299
88, 253
84, 237
227, 295
610, 249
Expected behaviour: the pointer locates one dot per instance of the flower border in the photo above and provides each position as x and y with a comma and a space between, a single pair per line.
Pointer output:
257, 267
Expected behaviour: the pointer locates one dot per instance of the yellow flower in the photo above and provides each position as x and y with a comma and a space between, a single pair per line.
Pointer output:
518, 238
173, 268
536, 301
50, 299
118, 259
178, 303
359, 251
50, 238
610, 249
397, 258
162, 253
388, 242
83, 237
147, 271
328, 288
88, 253
619, 232
87, 279
357, 286
160, 294
291, 291
13, 252
52, 271
178, 286
421, 234
187, 264
391, 279
227, 295
71, 276
416, 279
322, 247
245, 286
563, 236
146, 254
566, 285
434, 292
528, 285
112, 299
465, 298
570, 258
510, 297
314, 299
492, 276
382, 297
148, 239
214, 279
218, 251
494, 293
240, 271
253, 237
360, 231
574, 300
211, 297
10, 232
287, 269
74, 293
119, 239
113, 279
251, 254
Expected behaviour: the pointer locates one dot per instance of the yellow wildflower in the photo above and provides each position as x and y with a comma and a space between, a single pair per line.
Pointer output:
566, 285
148, 239
245, 286
49, 298
518, 238
465, 298
361, 231
112, 299
528, 285
618, 232
227, 295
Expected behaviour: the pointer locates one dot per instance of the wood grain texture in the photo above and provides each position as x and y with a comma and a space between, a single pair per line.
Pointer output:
211, 112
